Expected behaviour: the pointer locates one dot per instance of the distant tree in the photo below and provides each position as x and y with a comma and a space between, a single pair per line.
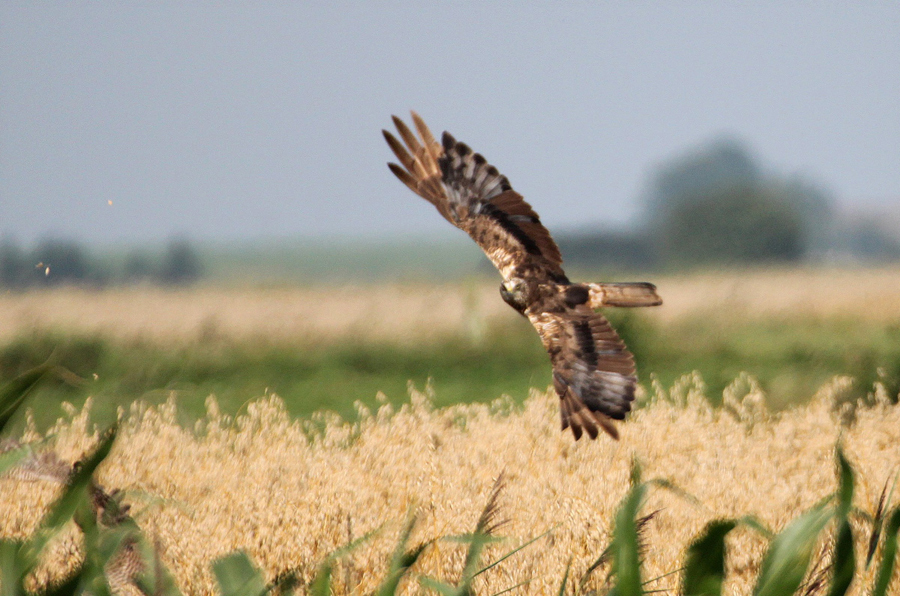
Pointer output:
814, 205
181, 264
716, 205
138, 267
867, 239
59, 262
725, 163
606, 250
14, 267
736, 225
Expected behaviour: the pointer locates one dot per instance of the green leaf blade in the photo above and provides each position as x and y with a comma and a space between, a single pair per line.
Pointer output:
789, 554
11, 570
846, 484
10, 459
625, 545
844, 561
888, 554
237, 576
401, 560
13, 394
64, 508
704, 569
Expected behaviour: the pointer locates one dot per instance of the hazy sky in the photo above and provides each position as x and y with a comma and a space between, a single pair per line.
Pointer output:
253, 120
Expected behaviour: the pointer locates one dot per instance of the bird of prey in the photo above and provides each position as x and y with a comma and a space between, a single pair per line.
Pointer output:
593, 372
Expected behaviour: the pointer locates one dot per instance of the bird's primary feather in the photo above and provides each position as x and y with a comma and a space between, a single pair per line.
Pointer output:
472, 195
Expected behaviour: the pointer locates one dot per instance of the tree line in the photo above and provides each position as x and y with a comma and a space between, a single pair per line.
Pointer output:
717, 206
66, 262
712, 206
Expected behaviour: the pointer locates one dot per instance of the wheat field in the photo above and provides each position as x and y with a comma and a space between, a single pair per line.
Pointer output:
291, 491
416, 312
289, 495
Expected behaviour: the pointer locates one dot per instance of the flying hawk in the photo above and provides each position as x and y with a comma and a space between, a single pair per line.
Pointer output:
593, 372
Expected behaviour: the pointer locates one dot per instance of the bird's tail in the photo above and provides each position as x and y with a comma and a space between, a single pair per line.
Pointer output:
623, 294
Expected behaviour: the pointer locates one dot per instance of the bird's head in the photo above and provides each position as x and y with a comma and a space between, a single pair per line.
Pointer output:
514, 292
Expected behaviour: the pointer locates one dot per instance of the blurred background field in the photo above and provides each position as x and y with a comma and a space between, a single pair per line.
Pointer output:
760, 272
200, 204
194, 202
327, 346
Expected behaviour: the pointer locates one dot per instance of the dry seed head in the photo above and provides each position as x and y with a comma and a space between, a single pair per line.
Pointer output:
263, 484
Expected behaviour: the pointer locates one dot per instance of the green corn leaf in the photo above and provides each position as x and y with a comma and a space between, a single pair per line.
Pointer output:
482, 536
67, 505
844, 558
11, 570
389, 586
284, 585
888, 554
565, 579
844, 561
92, 567
90, 579
441, 587
156, 579
237, 576
511, 588
401, 560
625, 547
845, 484
64, 508
754, 523
321, 583
13, 394
473, 556
72, 586
10, 459
514, 551
789, 554
635, 477
624, 550
704, 569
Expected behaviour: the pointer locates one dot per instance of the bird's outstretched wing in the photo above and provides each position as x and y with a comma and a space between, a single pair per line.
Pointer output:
472, 195
593, 372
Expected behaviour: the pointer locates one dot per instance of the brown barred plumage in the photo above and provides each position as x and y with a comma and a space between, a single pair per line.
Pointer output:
593, 372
